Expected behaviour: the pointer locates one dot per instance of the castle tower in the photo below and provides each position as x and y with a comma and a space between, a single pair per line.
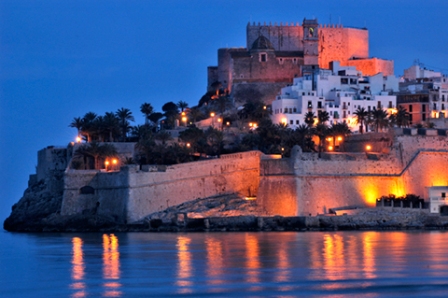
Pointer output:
310, 42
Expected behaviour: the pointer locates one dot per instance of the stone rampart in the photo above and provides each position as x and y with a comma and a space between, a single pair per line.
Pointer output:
316, 185
131, 194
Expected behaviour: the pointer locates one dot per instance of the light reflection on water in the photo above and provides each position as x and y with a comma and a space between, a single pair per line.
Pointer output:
330, 264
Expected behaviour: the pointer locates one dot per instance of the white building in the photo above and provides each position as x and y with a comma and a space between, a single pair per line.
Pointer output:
416, 72
437, 198
339, 91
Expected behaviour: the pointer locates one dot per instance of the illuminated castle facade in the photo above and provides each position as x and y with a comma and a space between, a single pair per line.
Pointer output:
276, 54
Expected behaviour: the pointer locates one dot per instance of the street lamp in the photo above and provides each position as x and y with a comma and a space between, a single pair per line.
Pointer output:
78, 139
212, 114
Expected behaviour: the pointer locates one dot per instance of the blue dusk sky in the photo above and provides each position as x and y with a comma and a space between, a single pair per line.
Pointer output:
61, 59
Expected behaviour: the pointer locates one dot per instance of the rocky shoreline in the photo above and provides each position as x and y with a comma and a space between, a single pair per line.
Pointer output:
38, 212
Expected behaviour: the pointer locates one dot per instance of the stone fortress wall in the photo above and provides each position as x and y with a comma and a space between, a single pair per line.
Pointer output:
313, 186
300, 185
131, 194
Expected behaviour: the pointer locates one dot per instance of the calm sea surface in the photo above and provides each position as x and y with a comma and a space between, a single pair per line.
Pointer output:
320, 264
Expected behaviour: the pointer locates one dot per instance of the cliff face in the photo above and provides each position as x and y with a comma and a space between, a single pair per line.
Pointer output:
37, 204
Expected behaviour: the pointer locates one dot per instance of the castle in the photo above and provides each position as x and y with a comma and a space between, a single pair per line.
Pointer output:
276, 54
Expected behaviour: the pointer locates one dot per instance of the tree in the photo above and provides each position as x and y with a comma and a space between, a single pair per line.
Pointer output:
155, 117
323, 116
321, 131
254, 110
339, 130
163, 136
192, 135
182, 105
402, 117
111, 125
78, 124
88, 128
171, 113
380, 119
96, 151
146, 109
195, 114
361, 115
124, 116
309, 119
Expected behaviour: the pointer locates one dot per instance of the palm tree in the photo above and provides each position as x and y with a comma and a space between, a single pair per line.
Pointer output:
379, 118
146, 109
323, 116
182, 105
321, 130
124, 116
77, 123
309, 119
339, 130
88, 128
361, 115
195, 113
96, 151
402, 117
111, 125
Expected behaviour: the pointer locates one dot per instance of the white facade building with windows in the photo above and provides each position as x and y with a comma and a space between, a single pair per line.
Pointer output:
340, 92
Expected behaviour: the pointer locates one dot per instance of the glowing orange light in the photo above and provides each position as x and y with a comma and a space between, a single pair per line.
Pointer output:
330, 148
250, 198
339, 138
106, 163
329, 139
250, 124
219, 119
183, 113
188, 145
264, 107
184, 119
227, 123
284, 120
368, 147
114, 161
212, 114
78, 139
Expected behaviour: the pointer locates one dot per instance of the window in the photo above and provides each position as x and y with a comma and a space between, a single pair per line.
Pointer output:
319, 105
443, 106
423, 117
443, 97
297, 122
87, 190
423, 108
263, 57
303, 93
344, 81
309, 104
280, 60
286, 110
295, 110
443, 195
434, 107
410, 108
291, 122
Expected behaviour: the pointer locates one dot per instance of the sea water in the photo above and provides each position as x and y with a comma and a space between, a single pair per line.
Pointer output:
252, 264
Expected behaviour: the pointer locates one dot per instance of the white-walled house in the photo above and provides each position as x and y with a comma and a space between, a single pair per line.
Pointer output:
340, 92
